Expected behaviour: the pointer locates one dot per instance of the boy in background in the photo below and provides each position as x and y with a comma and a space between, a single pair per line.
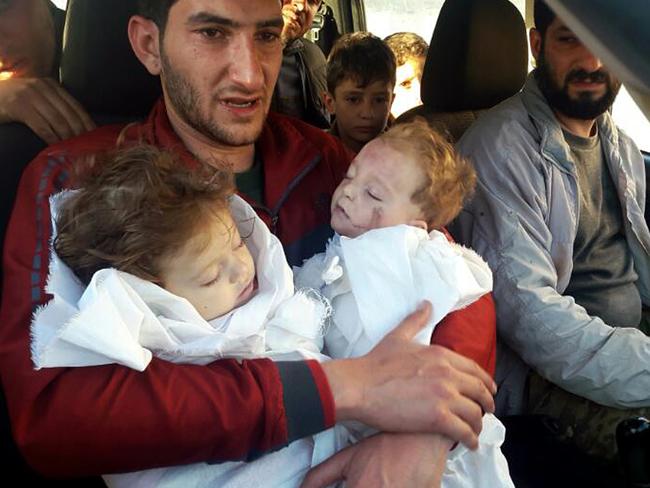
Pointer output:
410, 52
360, 83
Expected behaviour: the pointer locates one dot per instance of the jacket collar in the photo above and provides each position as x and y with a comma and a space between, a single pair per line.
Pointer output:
284, 151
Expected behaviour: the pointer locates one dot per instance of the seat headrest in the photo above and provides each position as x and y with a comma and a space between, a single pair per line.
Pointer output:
98, 66
478, 56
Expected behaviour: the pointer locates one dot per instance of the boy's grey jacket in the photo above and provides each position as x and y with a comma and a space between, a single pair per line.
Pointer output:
522, 220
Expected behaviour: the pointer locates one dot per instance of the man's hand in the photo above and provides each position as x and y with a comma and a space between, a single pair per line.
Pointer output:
401, 386
385, 460
293, 14
44, 106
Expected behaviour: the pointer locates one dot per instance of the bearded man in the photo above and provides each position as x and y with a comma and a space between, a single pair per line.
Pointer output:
558, 214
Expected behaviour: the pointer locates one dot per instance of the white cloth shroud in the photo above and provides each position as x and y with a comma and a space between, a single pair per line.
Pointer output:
122, 319
377, 279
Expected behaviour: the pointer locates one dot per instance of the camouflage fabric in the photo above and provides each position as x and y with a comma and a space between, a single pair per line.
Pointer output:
587, 425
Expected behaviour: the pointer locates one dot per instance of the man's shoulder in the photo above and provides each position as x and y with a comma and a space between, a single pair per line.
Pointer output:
99, 139
58, 157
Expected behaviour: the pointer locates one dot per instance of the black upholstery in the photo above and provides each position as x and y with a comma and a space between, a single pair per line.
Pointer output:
478, 56
329, 31
18, 146
98, 66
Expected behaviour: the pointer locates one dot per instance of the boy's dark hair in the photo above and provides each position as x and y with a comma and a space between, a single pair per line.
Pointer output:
135, 206
156, 10
543, 16
362, 57
406, 46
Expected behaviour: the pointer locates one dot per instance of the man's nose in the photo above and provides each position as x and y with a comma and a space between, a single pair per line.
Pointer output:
587, 61
246, 64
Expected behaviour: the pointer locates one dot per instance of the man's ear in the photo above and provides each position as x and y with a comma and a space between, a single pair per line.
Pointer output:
328, 98
144, 38
419, 223
535, 38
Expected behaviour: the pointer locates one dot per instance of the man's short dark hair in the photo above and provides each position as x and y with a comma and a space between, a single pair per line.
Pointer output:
543, 16
407, 46
362, 57
156, 10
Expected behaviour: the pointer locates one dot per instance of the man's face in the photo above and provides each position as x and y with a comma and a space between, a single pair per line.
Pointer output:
304, 12
361, 112
27, 39
572, 79
376, 191
407, 86
220, 60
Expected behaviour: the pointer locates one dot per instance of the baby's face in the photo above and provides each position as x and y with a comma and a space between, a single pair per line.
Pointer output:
377, 190
214, 271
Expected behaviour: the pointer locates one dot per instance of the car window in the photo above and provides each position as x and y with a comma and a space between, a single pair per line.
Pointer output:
385, 17
629, 117
60, 3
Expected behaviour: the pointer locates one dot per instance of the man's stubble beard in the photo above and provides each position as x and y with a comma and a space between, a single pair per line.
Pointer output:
186, 100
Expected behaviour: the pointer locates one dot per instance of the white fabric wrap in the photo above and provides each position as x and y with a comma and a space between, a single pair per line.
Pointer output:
120, 318
377, 279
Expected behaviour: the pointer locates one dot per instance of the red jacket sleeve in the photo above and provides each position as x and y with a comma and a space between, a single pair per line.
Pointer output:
92, 420
471, 332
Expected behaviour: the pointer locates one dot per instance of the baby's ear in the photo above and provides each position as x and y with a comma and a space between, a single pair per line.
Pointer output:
419, 223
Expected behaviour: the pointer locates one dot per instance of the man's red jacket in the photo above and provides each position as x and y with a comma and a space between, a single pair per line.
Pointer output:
103, 419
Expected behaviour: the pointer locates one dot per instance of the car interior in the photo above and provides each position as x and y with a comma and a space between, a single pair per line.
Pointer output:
478, 57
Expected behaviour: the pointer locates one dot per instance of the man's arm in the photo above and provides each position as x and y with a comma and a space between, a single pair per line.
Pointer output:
385, 460
44, 106
471, 332
508, 220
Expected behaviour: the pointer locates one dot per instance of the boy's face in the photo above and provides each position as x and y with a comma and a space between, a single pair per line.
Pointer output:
376, 192
407, 86
361, 112
215, 277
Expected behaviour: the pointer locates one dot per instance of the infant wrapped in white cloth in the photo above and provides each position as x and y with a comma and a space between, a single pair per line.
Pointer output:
375, 280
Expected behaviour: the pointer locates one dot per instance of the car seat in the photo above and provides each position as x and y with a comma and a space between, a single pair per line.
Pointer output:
478, 57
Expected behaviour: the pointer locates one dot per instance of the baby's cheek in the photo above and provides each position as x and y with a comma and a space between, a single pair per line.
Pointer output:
376, 218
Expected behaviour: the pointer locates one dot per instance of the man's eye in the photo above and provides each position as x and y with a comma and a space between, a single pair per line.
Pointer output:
211, 33
268, 37
352, 100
